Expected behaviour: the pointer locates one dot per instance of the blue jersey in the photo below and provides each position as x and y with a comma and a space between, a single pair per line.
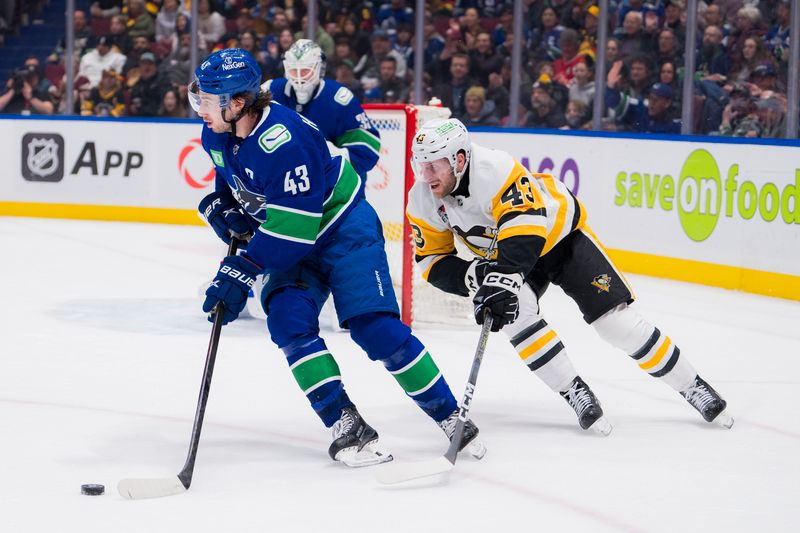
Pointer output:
285, 179
339, 116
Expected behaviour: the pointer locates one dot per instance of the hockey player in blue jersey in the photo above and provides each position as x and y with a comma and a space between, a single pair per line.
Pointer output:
314, 234
328, 104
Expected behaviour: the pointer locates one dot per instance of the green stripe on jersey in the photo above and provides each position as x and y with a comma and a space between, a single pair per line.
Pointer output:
342, 195
359, 136
294, 224
313, 371
419, 375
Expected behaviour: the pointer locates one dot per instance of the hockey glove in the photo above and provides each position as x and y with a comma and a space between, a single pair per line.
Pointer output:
225, 217
234, 279
476, 272
498, 294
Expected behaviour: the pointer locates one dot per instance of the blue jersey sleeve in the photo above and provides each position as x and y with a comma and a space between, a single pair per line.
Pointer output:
356, 132
214, 144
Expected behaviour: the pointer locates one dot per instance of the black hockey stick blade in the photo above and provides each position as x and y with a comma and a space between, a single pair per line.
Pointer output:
399, 472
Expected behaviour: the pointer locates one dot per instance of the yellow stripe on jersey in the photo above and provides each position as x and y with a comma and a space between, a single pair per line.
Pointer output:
561, 217
429, 240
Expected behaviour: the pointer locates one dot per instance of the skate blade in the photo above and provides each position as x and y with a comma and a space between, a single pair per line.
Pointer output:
724, 420
476, 448
369, 455
602, 426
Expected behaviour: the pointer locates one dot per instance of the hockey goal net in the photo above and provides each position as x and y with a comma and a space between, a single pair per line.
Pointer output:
387, 190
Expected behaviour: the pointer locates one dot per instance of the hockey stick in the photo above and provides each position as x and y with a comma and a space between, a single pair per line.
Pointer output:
138, 489
399, 472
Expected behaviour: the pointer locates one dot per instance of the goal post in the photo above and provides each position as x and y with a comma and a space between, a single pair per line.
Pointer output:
387, 190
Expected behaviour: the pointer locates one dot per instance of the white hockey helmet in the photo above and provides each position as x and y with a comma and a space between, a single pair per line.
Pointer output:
304, 64
441, 139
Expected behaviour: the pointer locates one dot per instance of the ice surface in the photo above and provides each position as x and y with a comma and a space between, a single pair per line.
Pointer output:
102, 344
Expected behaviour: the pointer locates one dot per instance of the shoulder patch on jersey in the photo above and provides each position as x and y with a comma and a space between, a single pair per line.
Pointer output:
273, 138
343, 96
216, 156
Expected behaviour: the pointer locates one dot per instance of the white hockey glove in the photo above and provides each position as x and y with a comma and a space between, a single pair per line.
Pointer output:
477, 270
335, 150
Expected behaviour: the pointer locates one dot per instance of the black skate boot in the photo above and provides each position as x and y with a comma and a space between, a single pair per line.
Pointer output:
355, 443
590, 414
708, 402
470, 439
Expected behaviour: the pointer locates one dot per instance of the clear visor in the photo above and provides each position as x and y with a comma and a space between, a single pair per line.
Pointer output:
205, 103
431, 171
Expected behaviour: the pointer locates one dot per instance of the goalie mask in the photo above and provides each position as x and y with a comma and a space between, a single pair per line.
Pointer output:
440, 139
304, 64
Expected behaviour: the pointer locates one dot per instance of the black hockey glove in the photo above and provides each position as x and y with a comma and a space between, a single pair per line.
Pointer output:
498, 294
476, 272
225, 216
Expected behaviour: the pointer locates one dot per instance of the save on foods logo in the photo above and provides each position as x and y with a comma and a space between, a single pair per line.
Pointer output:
702, 193
195, 166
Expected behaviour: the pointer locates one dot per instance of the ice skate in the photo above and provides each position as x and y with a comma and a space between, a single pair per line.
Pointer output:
470, 440
355, 443
590, 414
708, 403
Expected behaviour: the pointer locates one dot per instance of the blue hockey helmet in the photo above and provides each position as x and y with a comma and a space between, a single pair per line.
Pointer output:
226, 73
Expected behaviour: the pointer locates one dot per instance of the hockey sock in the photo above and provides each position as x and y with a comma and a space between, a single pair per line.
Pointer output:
542, 351
654, 352
385, 338
317, 374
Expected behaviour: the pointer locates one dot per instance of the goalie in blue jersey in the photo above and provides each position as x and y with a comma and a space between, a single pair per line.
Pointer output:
313, 235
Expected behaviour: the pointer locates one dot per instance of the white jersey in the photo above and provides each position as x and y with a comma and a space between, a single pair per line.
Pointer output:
497, 199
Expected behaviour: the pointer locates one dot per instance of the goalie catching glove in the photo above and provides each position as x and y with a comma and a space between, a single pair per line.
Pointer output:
232, 284
499, 295
225, 216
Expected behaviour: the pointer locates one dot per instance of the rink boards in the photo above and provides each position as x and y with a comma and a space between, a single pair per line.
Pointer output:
708, 210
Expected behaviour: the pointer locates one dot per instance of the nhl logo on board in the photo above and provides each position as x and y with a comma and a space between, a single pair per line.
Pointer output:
602, 282
42, 157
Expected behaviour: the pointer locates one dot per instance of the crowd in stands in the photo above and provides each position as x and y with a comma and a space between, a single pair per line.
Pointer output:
133, 58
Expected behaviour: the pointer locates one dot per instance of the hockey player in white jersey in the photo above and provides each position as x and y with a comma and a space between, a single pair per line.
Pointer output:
527, 231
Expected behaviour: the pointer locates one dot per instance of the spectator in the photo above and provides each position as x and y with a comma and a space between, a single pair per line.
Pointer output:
478, 110
146, 92
105, 100
563, 67
101, 58
764, 77
434, 42
545, 113
393, 14
165, 20
544, 38
244, 22
740, 117
652, 115
358, 39
343, 51
637, 79
369, 72
323, 38
470, 26
392, 88
118, 37
713, 16
403, 44
106, 8
672, 18
748, 25
777, 38
631, 36
772, 117
440, 68
140, 45
183, 24
588, 32
82, 38
612, 51
273, 59
577, 116
344, 75
140, 22
27, 92
483, 59
498, 92
504, 26
753, 53
248, 42
172, 105
668, 49
452, 94
211, 25
582, 87
176, 68
712, 61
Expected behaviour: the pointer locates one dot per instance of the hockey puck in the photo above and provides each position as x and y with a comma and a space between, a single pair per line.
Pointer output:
91, 489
